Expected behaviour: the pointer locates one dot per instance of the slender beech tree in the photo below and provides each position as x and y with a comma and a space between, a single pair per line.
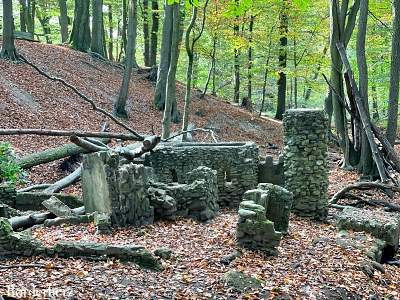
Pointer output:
190, 43
236, 28
155, 20
80, 35
120, 104
146, 33
393, 109
97, 41
365, 165
63, 20
170, 110
110, 33
250, 61
283, 40
8, 47
165, 58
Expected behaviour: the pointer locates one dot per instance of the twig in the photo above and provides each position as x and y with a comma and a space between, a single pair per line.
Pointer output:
91, 102
192, 130
30, 266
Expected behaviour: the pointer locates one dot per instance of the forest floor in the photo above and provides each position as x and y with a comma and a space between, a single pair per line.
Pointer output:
313, 261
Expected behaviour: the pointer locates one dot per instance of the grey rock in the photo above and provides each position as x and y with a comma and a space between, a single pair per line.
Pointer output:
241, 282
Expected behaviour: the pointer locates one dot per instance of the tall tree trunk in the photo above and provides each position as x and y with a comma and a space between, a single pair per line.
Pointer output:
342, 25
124, 25
393, 108
165, 57
8, 47
146, 33
63, 20
365, 165
283, 31
44, 19
23, 11
97, 45
171, 79
236, 89
80, 35
295, 79
110, 34
211, 72
308, 91
155, 20
120, 104
250, 62
31, 16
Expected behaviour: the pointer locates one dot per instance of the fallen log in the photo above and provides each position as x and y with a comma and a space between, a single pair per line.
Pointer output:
362, 186
34, 187
37, 218
50, 155
88, 145
67, 133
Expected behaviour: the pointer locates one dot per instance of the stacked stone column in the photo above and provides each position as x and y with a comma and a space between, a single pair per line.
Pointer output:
305, 161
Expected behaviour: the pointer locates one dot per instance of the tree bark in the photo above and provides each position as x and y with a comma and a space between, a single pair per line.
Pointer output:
146, 33
165, 58
365, 165
171, 79
110, 34
8, 47
155, 16
120, 104
63, 20
393, 108
97, 45
80, 35
250, 61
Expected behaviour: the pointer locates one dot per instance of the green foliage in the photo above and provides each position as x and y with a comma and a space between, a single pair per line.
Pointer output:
10, 172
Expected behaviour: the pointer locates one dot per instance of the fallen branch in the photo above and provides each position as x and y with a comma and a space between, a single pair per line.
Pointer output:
34, 187
65, 182
48, 132
91, 102
37, 218
85, 144
362, 186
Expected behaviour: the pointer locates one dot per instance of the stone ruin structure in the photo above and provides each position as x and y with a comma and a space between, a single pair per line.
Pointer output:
131, 194
305, 161
236, 165
264, 217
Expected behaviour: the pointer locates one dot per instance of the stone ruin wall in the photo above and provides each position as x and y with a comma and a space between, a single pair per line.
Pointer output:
236, 165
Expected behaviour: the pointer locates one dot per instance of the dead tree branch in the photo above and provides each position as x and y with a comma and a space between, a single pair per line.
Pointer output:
363, 186
192, 130
64, 182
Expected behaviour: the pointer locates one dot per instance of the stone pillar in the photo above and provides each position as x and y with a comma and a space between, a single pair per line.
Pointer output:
305, 161
8, 195
119, 190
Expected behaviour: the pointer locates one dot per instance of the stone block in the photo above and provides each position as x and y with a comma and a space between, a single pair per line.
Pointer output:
382, 225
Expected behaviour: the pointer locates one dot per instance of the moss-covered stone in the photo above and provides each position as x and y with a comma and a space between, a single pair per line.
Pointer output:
241, 282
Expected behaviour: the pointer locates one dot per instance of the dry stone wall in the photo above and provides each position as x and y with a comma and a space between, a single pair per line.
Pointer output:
305, 161
8, 195
236, 165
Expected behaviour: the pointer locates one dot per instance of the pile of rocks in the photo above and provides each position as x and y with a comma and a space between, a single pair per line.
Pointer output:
198, 199
305, 161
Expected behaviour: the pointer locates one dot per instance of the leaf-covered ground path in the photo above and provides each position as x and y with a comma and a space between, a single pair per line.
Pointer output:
314, 262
